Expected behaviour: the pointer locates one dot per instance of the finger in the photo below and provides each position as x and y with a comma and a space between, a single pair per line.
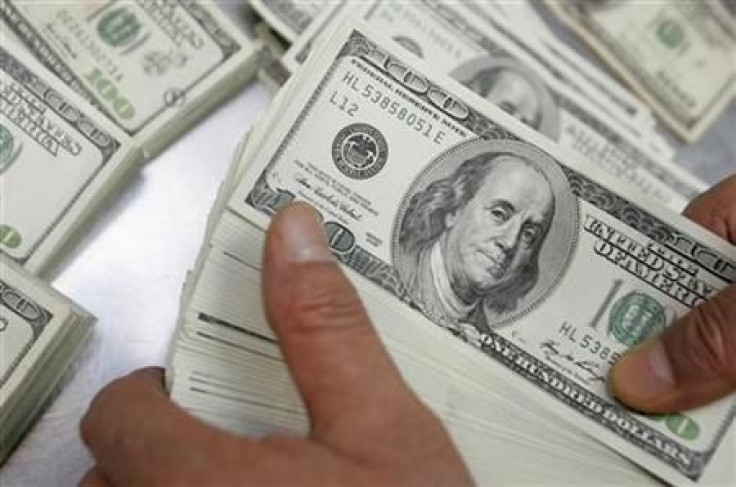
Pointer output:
332, 350
94, 478
716, 209
691, 364
137, 435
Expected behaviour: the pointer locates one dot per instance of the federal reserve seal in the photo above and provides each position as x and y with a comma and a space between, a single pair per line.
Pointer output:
360, 151
636, 317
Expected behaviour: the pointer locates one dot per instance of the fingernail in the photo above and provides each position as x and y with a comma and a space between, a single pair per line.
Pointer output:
643, 376
303, 238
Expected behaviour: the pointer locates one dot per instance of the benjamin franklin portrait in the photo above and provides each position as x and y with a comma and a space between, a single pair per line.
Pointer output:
515, 89
467, 244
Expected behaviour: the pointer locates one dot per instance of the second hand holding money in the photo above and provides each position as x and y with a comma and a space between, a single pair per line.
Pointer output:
694, 361
368, 428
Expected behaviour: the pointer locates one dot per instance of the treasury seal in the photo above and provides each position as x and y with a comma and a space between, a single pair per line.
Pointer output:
359, 151
636, 317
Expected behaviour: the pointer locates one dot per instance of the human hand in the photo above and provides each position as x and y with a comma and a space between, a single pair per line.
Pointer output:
693, 362
367, 427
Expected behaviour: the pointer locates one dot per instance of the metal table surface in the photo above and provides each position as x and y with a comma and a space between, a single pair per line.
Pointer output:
129, 267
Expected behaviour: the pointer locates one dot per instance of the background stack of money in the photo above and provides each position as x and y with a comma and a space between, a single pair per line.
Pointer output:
675, 55
562, 96
41, 334
147, 70
59, 159
672, 54
152, 68
373, 136
88, 91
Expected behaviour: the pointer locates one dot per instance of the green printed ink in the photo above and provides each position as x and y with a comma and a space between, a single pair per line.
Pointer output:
9, 236
636, 317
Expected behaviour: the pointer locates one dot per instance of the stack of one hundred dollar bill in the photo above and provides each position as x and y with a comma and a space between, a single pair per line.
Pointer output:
90, 89
504, 270
543, 83
41, 333
675, 55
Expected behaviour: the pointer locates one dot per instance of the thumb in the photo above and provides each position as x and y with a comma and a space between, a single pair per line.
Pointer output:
692, 363
335, 357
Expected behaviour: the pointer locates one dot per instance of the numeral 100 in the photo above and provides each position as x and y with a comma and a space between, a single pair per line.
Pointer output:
107, 90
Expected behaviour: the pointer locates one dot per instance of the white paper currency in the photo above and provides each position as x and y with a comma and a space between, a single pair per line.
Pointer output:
41, 333
382, 146
58, 158
289, 17
153, 68
520, 21
453, 42
676, 54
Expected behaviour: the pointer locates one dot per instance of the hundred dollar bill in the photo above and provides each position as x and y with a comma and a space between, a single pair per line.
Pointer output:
152, 67
485, 228
58, 158
40, 334
289, 17
483, 59
677, 55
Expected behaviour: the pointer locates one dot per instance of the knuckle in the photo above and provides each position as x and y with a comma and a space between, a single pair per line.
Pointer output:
722, 195
711, 341
721, 220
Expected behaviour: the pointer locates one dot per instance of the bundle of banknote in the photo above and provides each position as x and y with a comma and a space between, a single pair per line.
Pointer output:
289, 18
58, 159
88, 90
41, 333
676, 55
152, 68
537, 79
475, 233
